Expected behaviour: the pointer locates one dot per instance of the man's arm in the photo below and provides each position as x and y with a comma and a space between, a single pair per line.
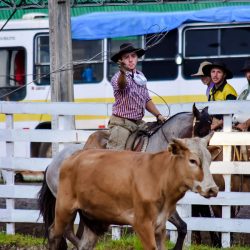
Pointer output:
150, 107
122, 80
122, 77
243, 126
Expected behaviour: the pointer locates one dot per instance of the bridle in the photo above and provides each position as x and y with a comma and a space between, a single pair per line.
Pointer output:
197, 124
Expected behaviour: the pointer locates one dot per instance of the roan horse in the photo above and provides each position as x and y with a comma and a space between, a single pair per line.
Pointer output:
130, 188
179, 126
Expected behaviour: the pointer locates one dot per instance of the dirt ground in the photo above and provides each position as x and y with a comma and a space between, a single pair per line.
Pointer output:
37, 229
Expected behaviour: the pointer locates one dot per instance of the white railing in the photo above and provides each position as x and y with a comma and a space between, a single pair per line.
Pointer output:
10, 161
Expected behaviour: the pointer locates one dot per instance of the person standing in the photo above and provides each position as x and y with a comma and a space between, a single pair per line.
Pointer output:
222, 90
206, 80
242, 123
131, 97
245, 93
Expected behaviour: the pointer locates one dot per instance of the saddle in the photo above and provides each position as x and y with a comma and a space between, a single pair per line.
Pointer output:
138, 140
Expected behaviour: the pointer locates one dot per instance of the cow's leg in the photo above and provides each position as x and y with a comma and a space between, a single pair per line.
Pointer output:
88, 239
70, 235
63, 218
160, 236
145, 231
181, 229
53, 239
80, 228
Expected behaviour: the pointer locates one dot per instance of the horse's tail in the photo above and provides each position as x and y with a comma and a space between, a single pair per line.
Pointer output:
46, 204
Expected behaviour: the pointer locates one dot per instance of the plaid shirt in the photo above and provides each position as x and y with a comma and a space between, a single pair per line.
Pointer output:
130, 102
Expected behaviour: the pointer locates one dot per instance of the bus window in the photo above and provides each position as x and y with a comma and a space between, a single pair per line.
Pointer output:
86, 55
159, 60
12, 74
114, 46
42, 60
88, 61
228, 43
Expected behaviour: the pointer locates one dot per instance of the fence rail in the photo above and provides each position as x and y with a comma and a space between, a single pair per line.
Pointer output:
10, 161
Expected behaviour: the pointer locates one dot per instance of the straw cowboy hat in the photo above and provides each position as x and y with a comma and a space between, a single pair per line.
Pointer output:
200, 73
207, 69
246, 66
127, 48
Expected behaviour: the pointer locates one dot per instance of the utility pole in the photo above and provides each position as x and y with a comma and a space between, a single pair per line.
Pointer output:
60, 51
61, 66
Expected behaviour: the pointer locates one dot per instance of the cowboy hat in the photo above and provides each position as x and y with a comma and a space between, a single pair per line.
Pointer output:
207, 69
127, 48
246, 66
199, 72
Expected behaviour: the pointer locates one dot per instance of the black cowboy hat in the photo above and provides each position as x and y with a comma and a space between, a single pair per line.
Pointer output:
207, 69
246, 66
127, 48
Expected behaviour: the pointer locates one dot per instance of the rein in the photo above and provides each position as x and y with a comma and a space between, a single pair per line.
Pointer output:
165, 137
194, 123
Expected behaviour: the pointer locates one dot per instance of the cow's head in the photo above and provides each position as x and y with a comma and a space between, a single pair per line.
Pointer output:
198, 177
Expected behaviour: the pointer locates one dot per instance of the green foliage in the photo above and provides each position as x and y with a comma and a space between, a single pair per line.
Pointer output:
19, 240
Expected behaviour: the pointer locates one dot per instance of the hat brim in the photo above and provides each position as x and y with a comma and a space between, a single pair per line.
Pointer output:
207, 69
245, 69
197, 75
117, 56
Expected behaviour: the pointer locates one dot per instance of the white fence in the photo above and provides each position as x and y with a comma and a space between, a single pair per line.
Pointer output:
10, 161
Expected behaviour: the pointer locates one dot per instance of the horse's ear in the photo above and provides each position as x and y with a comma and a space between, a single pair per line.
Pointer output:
196, 112
207, 138
177, 146
205, 109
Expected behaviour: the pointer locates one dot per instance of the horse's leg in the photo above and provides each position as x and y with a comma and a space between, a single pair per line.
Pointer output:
181, 229
46, 204
196, 235
215, 237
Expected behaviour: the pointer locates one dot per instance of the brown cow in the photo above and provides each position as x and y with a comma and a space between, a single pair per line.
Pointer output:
139, 189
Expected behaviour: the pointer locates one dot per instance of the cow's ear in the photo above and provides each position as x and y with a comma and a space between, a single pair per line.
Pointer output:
207, 138
177, 147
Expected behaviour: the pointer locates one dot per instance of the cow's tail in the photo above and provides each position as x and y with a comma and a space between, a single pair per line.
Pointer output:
46, 204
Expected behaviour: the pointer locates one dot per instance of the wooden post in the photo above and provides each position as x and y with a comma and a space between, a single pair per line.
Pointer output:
61, 65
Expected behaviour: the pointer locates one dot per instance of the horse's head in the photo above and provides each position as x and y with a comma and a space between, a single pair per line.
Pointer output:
202, 122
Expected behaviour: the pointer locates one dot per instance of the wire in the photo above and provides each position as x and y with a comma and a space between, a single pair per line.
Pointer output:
11, 15
154, 39
167, 116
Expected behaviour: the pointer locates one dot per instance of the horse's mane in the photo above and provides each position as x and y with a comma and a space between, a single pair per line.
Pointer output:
153, 127
171, 117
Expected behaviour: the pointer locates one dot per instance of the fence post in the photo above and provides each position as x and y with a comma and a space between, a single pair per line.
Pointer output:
226, 210
9, 176
116, 232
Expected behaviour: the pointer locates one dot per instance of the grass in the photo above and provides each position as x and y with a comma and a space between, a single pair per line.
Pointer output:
128, 242
19, 240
